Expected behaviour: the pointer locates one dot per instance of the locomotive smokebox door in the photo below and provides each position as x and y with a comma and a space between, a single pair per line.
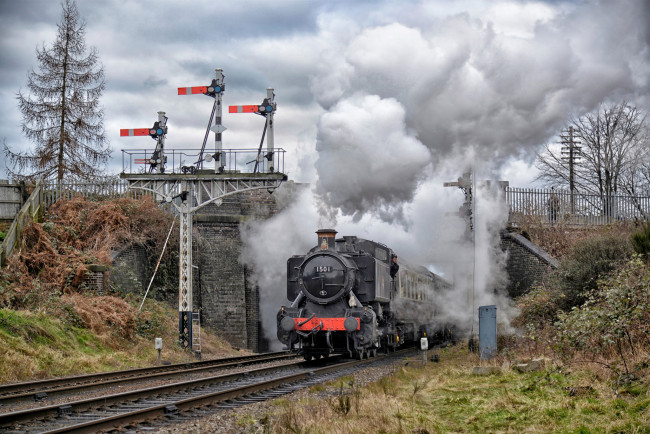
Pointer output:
424, 344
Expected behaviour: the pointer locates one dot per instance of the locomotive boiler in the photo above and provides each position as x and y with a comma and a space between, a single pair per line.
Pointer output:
343, 299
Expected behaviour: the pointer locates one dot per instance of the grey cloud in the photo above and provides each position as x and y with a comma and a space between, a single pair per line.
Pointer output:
367, 161
465, 84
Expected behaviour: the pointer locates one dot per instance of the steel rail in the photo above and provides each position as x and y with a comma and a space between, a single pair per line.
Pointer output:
7, 391
127, 419
50, 393
107, 400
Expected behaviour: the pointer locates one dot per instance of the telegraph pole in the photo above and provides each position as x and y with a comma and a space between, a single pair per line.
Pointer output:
570, 153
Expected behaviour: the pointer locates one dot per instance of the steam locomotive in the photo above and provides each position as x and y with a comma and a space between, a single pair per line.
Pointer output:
344, 300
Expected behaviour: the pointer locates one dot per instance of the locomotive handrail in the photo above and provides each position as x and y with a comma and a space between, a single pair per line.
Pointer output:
316, 328
313, 315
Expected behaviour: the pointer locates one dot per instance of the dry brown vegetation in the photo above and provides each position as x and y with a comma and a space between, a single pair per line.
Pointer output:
51, 324
47, 271
53, 257
558, 240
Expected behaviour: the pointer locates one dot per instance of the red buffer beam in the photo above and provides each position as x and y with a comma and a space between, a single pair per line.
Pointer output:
134, 132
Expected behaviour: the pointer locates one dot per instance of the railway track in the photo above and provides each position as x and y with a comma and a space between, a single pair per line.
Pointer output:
177, 401
44, 390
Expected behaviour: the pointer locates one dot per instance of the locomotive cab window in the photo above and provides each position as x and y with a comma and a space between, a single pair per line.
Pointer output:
381, 254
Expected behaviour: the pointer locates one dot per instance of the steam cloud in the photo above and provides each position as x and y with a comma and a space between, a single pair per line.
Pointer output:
411, 104
500, 88
376, 163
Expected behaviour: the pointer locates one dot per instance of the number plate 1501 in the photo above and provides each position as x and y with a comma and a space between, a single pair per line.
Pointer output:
323, 269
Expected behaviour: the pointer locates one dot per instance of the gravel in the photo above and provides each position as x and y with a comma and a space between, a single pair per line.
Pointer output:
228, 421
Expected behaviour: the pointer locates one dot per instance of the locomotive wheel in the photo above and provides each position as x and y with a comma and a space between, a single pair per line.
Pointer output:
308, 357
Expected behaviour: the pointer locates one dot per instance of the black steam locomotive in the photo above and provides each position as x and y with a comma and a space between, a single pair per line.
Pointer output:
344, 300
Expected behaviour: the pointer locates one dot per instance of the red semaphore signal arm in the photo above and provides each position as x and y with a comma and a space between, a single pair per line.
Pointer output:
243, 108
265, 108
193, 90
134, 132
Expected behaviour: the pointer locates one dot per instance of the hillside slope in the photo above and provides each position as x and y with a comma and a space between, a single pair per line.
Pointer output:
51, 324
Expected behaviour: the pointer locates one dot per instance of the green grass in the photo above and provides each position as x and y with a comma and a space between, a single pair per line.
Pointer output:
39, 345
446, 398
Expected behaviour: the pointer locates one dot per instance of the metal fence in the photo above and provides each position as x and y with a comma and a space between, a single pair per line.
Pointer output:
32, 210
99, 189
563, 207
179, 160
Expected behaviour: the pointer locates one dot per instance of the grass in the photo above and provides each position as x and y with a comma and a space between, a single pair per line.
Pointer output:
39, 345
445, 397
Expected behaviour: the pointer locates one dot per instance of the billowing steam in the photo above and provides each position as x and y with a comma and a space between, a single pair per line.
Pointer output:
421, 100
383, 162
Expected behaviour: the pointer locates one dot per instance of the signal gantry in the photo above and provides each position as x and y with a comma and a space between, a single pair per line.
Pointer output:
193, 186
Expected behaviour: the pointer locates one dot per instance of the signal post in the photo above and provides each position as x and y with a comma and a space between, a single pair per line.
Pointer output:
190, 187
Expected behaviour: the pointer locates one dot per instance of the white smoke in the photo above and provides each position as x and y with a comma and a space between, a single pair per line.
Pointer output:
382, 162
411, 103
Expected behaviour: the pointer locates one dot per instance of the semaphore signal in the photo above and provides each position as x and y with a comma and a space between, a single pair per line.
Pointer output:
214, 90
157, 160
266, 109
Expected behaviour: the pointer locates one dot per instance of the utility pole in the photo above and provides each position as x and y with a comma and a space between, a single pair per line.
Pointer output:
466, 210
571, 153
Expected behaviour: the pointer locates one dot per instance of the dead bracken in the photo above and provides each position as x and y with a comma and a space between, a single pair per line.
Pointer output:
53, 258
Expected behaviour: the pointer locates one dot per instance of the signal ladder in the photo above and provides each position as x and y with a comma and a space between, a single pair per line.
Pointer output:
196, 333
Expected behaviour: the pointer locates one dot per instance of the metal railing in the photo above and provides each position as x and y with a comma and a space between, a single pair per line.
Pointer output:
99, 189
32, 210
182, 160
561, 206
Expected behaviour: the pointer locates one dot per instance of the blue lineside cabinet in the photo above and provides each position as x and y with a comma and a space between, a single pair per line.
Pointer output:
487, 331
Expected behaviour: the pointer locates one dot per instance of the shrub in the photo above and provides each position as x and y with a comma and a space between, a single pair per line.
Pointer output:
641, 240
589, 260
615, 319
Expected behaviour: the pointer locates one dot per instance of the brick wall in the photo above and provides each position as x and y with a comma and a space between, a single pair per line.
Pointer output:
127, 274
228, 300
527, 264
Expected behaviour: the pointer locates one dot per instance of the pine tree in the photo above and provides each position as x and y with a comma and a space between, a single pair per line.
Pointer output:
62, 116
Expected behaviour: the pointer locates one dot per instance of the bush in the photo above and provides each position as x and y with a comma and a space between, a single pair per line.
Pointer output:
641, 240
538, 308
589, 260
615, 319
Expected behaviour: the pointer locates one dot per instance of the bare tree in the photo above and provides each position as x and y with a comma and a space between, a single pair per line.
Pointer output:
611, 140
62, 116
636, 177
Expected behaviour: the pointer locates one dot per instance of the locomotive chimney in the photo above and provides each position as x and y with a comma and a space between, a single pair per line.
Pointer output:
326, 238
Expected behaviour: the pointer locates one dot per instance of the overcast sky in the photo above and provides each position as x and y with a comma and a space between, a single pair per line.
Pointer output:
395, 87
379, 102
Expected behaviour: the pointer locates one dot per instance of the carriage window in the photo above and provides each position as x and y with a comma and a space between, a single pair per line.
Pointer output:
381, 254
